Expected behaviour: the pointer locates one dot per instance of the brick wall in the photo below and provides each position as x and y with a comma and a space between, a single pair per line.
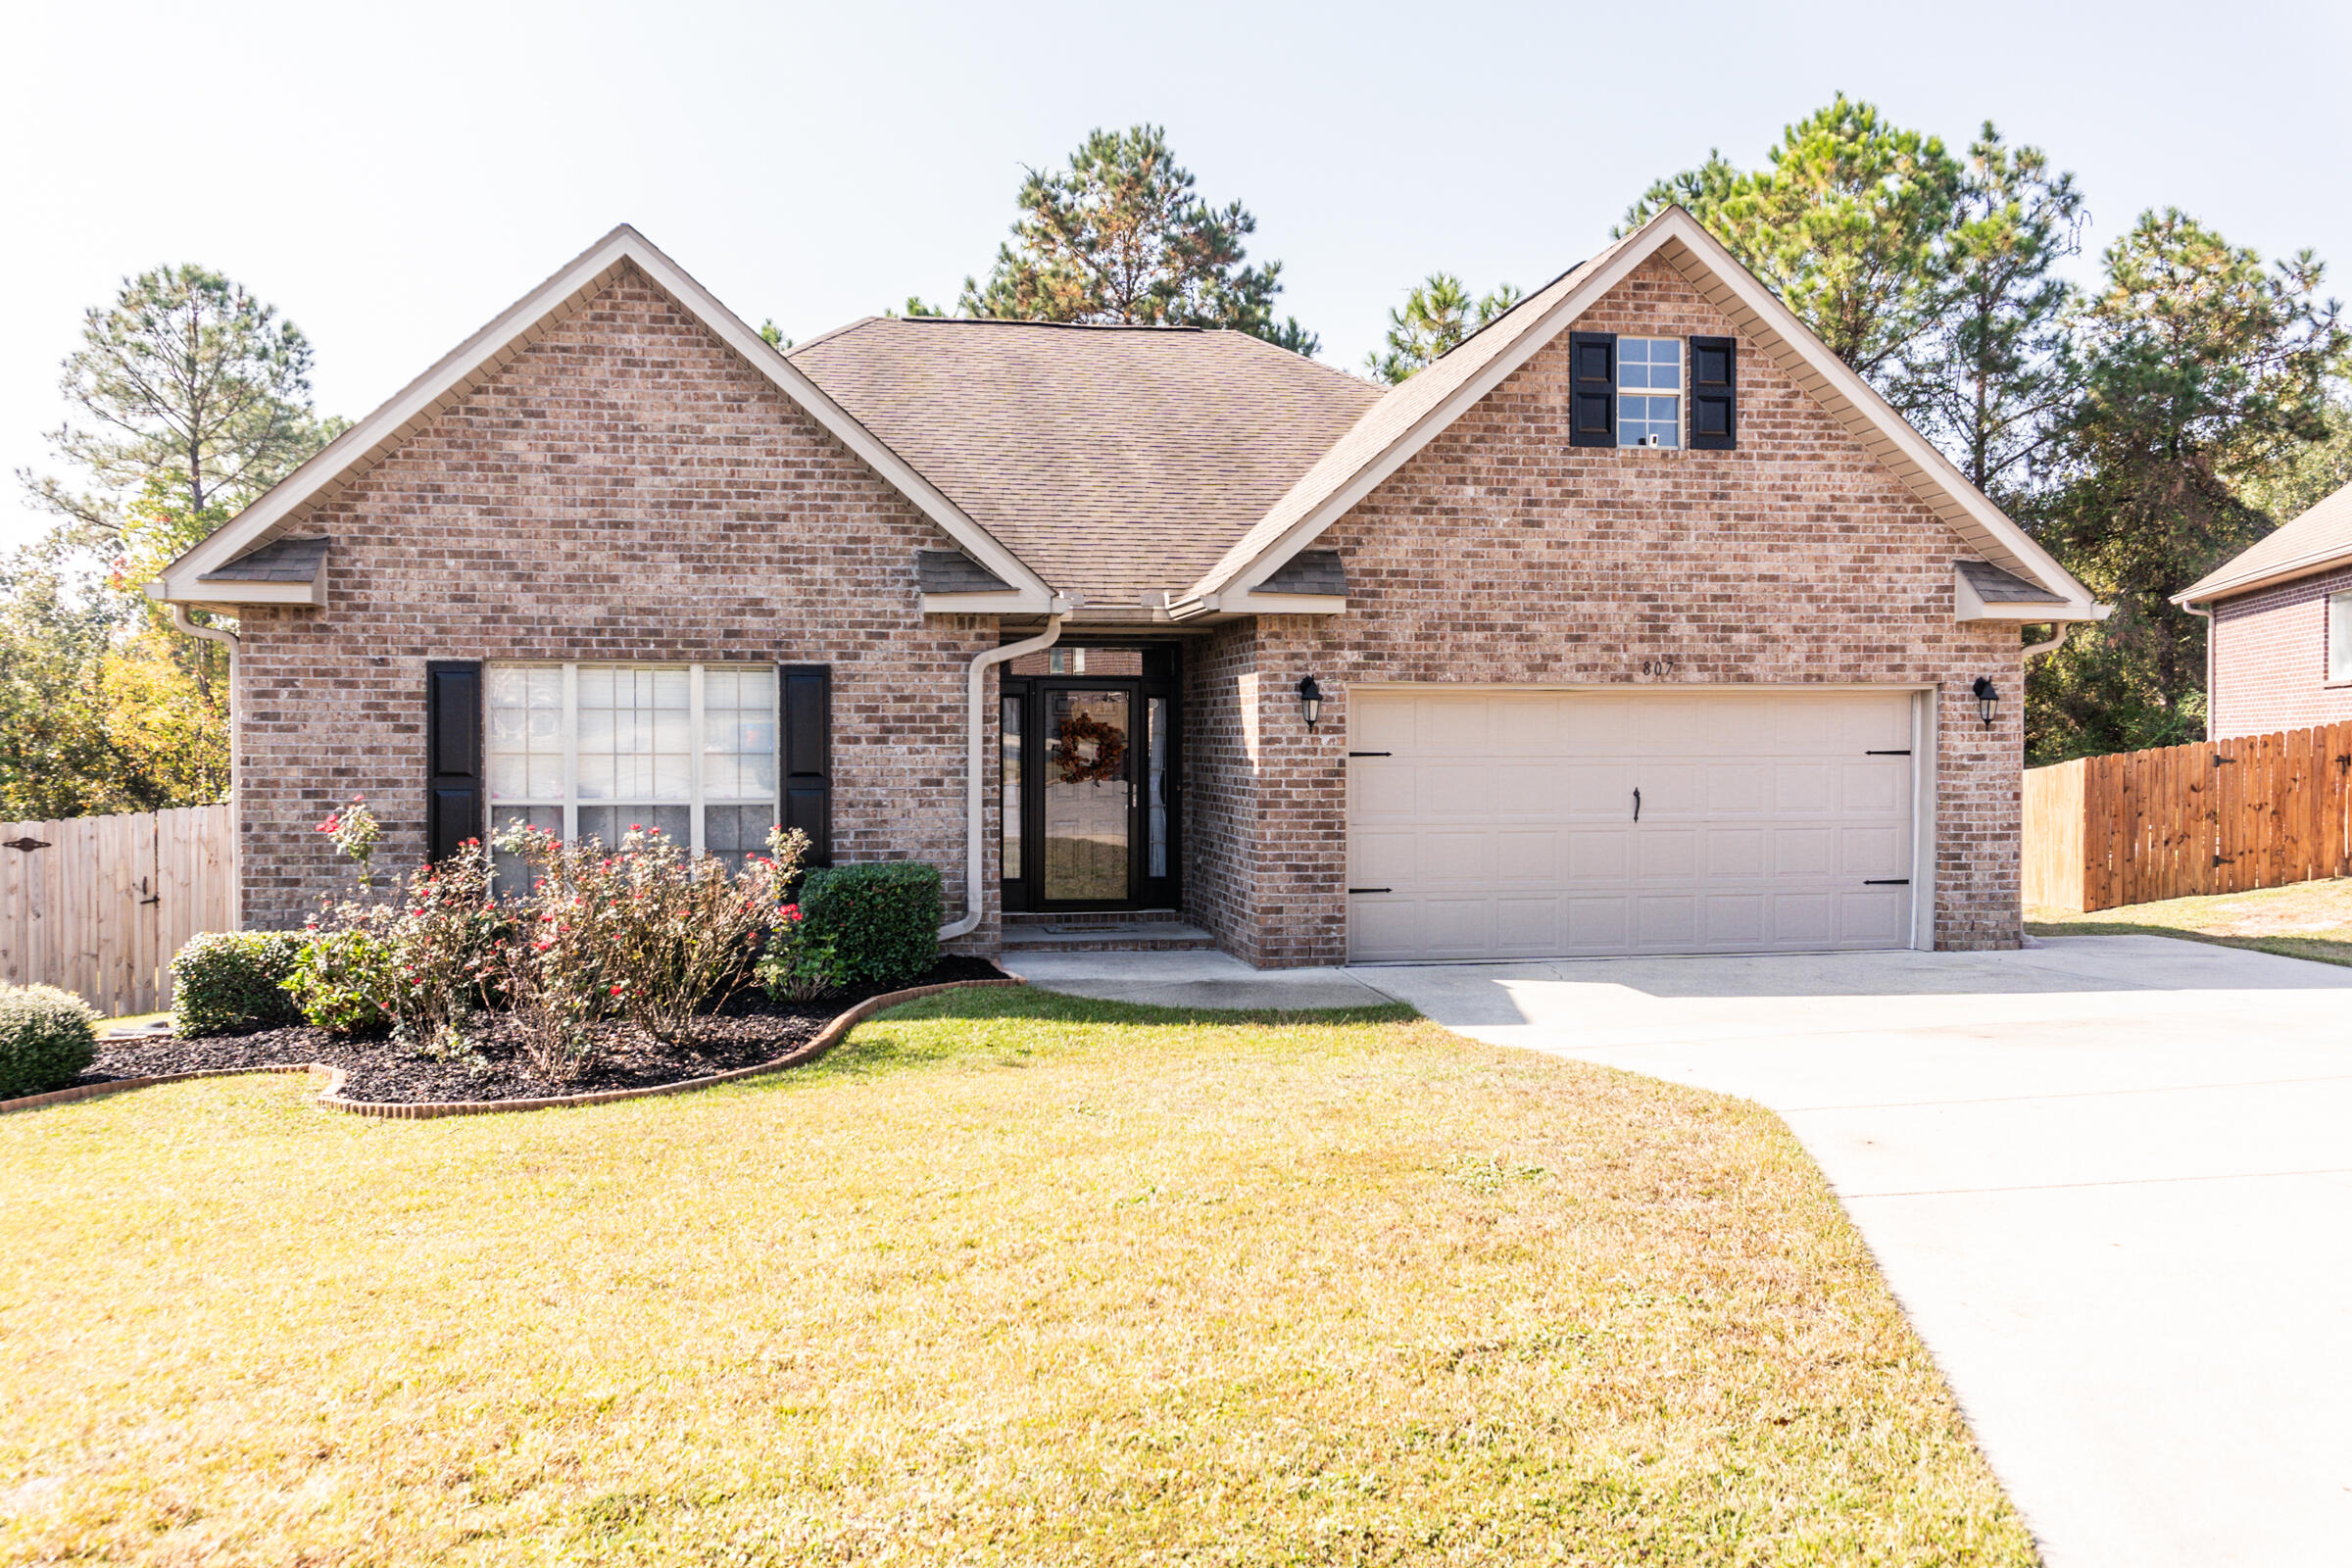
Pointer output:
1501, 553
627, 489
1221, 734
2269, 660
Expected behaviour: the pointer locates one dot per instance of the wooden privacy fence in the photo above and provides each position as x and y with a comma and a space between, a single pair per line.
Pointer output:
98, 904
2221, 816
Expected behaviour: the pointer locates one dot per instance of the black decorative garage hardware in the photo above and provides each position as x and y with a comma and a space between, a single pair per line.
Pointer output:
1886, 881
1371, 890
27, 844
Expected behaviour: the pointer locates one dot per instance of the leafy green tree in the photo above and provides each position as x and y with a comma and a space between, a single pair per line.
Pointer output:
1436, 317
186, 379
55, 759
1991, 374
2203, 372
1846, 225
1123, 237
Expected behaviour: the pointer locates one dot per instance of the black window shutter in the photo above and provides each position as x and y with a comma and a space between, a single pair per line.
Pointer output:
453, 748
807, 709
1592, 389
1714, 393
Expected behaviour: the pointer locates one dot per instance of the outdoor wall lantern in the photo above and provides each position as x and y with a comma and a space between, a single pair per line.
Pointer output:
1988, 699
1310, 700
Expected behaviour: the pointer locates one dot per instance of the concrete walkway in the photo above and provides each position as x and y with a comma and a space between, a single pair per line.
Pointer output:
2109, 1177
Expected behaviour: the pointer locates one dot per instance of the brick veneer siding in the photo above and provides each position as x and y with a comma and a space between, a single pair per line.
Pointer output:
627, 489
1501, 553
2269, 660
1222, 720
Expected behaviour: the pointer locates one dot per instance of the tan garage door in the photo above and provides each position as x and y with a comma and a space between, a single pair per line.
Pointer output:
1504, 824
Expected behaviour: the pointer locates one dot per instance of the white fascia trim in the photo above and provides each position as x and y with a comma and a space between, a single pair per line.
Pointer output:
1243, 601
513, 330
1675, 223
1968, 605
2309, 566
219, 594
989, 603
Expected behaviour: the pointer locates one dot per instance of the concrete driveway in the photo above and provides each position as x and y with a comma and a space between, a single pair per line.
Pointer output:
2109, 1177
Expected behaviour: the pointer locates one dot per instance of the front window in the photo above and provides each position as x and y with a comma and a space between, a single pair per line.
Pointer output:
589, 751
2340, 637
1649, 391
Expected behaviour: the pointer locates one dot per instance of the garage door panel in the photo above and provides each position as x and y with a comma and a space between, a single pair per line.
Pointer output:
1380, 792
1602, 790
1600, 856
1527, 928
1379, 722
1383, 859
1453, 791
1525, 856
1666, 923
1451, 857
1734, 920
1531, 790
1504, 823
1453, 726
1743, 853
1875, 852
1666, 855
1739, 789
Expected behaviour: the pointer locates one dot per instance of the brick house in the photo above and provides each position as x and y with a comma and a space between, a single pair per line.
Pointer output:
1638, 623
2278, 642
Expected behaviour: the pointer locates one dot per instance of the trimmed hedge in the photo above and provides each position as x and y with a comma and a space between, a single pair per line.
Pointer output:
47, 1036
873, 924
231, 982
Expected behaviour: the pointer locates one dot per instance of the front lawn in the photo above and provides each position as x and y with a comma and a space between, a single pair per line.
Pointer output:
1012, 1278
2306, 920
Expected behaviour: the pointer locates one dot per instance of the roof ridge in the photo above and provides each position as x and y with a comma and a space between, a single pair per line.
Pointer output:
827, 336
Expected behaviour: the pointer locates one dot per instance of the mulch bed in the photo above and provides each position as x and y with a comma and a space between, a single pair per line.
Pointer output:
749, 1030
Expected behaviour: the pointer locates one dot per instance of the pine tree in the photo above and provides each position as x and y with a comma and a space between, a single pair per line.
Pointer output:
1123, 237
1437, 316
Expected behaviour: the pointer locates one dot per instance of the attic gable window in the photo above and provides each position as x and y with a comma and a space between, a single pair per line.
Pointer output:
1649, 392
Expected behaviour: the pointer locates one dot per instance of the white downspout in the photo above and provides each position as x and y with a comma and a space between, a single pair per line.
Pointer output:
2048, 644
211, 634
975, 892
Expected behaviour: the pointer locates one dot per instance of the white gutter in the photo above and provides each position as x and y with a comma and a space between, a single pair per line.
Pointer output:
211, 634
975, 893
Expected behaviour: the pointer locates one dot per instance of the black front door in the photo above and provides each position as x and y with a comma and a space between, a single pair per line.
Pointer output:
1088, 775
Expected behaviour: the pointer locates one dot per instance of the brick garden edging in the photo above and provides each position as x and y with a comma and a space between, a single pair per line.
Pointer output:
331, 1097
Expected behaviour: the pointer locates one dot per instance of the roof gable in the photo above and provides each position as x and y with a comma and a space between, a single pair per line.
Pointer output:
1120, 461
1415, 412
2315, 541
191, 578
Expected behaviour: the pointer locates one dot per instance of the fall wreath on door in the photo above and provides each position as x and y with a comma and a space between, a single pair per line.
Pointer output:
1079, 731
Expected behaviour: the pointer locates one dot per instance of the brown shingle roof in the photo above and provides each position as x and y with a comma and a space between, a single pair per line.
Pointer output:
282, 560
2316, 540
1998, 587
1117, 462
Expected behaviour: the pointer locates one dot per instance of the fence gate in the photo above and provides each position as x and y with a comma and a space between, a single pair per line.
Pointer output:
98, 904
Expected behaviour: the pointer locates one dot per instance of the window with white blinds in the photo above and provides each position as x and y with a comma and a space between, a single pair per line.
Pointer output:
590, 750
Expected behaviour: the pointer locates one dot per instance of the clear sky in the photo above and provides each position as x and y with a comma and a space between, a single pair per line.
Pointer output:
393, 175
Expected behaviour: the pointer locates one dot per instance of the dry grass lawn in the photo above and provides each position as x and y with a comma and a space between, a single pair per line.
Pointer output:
2307, 920
1012, 1278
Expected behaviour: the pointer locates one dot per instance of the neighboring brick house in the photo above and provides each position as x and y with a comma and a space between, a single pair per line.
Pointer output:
1636, 624
2279, 643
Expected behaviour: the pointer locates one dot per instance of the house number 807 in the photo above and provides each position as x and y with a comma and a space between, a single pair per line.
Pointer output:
1663, 665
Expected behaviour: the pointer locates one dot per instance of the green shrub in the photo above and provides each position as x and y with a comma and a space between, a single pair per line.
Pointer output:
47, 1036
344, 979
873, 924
233, 982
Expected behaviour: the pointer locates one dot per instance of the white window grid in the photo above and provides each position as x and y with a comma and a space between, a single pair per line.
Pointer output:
2340, 637
1649, 391
542, 744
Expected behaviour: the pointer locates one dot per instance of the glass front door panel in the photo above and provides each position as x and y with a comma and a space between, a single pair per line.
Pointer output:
1090, 763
